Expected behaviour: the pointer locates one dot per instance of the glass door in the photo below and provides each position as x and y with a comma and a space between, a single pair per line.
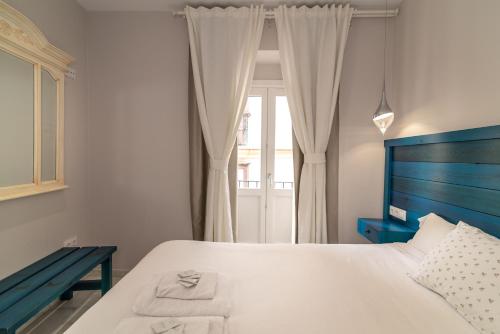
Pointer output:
265, 169
279, 193
252, 137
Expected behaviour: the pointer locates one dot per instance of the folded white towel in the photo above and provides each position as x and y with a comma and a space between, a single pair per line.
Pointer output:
170, 326
188, 279
170, 287
189, 274
147, 304
192, 325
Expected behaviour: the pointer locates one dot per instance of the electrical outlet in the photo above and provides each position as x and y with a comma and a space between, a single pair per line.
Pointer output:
71, 242
397, 212
71, 74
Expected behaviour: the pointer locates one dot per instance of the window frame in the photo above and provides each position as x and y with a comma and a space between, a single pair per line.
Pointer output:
20, 38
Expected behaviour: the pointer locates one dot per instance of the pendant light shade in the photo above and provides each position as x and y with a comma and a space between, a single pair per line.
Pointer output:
384, 116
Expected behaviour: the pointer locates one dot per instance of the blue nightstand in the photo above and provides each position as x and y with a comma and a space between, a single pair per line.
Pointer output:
381, 231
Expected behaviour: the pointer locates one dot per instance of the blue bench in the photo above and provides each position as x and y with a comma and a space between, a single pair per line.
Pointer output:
28, 291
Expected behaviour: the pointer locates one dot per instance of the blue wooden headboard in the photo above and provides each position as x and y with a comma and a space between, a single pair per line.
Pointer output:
453, 174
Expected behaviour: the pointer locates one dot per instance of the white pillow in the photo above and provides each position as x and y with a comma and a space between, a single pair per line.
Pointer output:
432, 230
465, 270
422, 219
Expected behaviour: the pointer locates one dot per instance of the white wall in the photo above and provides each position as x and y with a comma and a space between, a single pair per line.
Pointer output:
33, 227
446, 73
269, 41
139, 190
447, 66
361, 151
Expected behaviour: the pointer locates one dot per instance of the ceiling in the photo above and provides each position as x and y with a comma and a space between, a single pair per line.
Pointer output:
175, 5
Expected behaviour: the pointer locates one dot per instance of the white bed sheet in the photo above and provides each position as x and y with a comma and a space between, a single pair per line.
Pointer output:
296, 289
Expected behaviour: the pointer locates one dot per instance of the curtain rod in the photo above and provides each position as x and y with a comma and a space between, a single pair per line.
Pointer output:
357, 13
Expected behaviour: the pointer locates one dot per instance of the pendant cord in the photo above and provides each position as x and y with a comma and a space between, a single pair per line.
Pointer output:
385, 42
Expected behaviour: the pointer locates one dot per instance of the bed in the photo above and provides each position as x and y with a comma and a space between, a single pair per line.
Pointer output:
296, 289
348, 289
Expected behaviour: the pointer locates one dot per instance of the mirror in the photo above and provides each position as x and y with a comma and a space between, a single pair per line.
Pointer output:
32, 73
49, 126
16, 121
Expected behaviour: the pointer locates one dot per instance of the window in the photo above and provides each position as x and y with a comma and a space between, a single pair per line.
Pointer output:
31, 109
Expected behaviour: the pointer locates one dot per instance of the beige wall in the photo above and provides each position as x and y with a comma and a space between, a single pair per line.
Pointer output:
447, 66
361, 153
33, 227
138, 135
446, 77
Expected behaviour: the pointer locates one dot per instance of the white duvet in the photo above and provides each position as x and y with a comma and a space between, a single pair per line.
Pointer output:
295, 289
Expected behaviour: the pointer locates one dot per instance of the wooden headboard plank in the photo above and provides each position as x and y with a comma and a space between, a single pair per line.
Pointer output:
490, 132
417, 207
477, 199
478, 151
454, 174
473, 175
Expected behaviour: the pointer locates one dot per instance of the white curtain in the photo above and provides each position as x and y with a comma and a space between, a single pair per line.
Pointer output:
312, 43
224, 44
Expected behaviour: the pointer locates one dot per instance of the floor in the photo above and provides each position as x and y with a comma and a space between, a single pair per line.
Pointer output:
60, 315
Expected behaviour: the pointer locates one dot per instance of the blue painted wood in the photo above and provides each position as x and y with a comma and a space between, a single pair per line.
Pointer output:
20, 312
417, 207
454, 174
107, 277
87, 285
387, 181
477, 199
473, 175
384, 231
82, 286
10, 297
412, 218
479, 151
18, 277
66, 295
16, 315
489, 132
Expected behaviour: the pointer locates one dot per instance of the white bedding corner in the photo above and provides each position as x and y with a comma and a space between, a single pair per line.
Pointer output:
296, 289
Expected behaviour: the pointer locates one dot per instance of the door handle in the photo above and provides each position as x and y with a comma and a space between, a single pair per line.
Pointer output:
270, 179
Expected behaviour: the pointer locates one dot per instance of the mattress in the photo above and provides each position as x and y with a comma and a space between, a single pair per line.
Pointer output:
296, 289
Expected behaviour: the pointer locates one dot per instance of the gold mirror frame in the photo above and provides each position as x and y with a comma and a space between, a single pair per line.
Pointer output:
21, 38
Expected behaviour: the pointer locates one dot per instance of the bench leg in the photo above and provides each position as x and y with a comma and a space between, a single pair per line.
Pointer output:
67, 295
106, 279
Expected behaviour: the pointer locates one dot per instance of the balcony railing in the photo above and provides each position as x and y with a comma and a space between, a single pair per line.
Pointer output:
243, 184
283, 185
247, 184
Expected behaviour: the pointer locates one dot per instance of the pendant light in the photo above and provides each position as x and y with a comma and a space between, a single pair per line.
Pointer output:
384, 116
